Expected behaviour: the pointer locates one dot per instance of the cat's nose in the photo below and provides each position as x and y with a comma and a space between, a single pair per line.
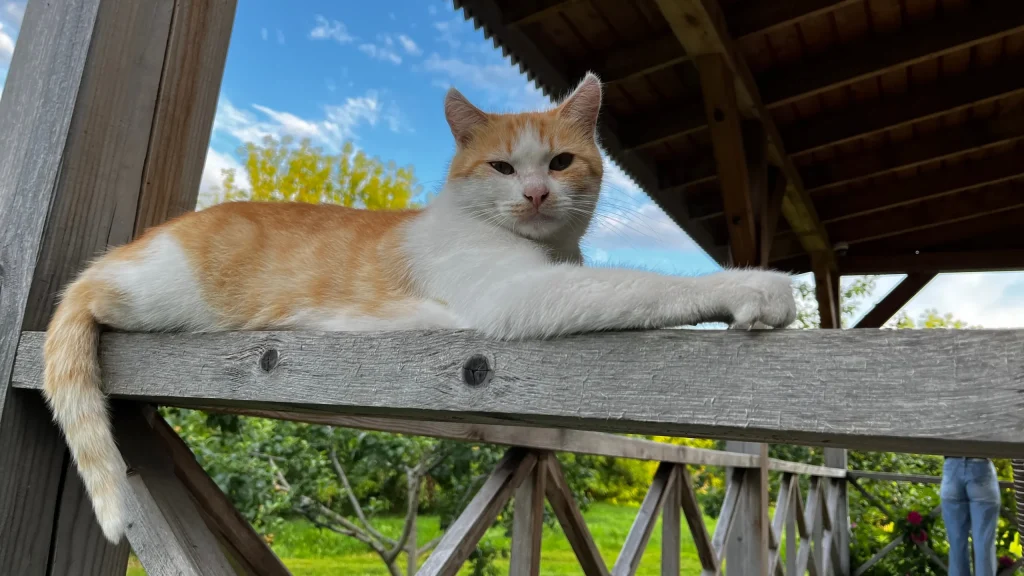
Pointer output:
536, 194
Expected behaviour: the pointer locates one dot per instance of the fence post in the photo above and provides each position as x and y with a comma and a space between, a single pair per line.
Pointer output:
837, 458
746, 550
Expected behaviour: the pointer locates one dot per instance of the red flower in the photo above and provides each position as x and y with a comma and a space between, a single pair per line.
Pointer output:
1005, 561
919, 536
914, 518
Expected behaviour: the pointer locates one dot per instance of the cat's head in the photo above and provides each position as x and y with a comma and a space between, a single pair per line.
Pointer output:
537, 173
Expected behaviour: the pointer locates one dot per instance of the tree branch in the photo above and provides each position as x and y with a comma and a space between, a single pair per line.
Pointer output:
428, 547
354, 501
414, 481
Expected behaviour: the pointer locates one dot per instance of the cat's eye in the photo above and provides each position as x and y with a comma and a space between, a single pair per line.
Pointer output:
503, 167
561, 162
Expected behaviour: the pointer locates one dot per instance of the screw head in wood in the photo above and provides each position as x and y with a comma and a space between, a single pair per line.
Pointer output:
268, 360
476, 370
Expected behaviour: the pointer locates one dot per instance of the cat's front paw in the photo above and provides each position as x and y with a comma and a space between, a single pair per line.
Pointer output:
758, 299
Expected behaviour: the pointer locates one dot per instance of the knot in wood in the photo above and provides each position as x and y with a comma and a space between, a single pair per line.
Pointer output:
476, 370
268, 360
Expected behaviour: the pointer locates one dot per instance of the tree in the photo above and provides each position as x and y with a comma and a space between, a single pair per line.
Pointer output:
279, 170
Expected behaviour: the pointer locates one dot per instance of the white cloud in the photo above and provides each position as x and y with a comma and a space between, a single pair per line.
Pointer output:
409, 45
339, 122
447, 30
431, 10
15, 12
280, 37
210, 190
500, 81
264, 34
330, 29
6, 46
380, 53
988, 299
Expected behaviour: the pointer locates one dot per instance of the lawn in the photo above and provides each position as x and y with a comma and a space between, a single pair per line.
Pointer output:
308, 551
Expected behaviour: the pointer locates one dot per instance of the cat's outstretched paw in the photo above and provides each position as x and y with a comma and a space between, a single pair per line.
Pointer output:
758, 299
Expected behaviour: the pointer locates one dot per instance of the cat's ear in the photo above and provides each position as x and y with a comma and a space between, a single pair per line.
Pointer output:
584, 104
462, 116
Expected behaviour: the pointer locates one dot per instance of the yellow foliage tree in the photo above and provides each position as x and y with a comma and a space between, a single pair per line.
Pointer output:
280, 171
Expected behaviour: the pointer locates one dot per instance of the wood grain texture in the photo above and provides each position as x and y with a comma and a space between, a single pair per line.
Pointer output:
79, 549
571, 520
639, 534
461, 538
164, 527
839, 459
929, 391
695, 520
746, 548
556, 439
197, 50
528, 521
671, 525
225, 518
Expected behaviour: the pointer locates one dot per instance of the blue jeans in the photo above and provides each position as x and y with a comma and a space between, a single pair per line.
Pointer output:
970, 504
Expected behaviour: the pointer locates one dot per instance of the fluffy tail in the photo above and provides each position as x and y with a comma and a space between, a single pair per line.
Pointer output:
71, 385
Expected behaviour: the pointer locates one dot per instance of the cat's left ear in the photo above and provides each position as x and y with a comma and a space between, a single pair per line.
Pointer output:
584, 104
463, 118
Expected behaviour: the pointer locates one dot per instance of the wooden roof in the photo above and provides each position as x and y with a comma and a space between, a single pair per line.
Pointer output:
897, 125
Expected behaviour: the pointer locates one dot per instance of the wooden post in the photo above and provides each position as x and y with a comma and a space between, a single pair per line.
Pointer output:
89, 82
837, 458
528, 521
671, 524
746, 552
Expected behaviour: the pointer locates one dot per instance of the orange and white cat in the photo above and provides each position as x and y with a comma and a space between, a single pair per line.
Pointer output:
497, 251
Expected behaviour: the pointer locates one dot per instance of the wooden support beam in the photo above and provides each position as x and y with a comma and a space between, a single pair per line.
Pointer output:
748, 543
633, 60
915, 390
572, 522
636, 541
726, 126
925, 262
88, 84
686, 116
701, 28
874, 55
968, 137
911, 478
706, 552
771, 211
165, 529
528, 520
957, 93
671, 525
223, 517
838, 458
895, 300
727, 516
765, 16
826, 289
529, 12
461, 538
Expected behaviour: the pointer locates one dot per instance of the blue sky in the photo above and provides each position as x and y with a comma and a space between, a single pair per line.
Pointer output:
375, 73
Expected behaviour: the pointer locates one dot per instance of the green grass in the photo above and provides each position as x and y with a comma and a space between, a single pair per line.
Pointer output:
308, 551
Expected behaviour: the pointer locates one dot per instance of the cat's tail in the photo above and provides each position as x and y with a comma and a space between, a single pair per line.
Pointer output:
71, 385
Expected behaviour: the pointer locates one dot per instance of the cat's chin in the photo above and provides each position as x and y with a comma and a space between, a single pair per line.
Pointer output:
538, 226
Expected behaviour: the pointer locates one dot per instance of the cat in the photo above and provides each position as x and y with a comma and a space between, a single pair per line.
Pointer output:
497, 251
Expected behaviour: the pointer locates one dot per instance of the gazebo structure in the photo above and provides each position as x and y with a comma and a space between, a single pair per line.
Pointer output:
831, 136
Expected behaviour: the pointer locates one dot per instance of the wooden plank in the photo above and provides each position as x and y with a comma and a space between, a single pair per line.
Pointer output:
701, 28
895, 300
940, 391
748, 542
956, 93
572, 522
461, 538
771, 211
968, 137
233, 527
980, 261
802, 469
197, 51
725, 122
649, 129
863, 568
826, 290
528, 521
636, 541
695, 520
766, 16
164, 527
806, 554
873, 55
555, 439
671, 525
727, 516
838, 458
630, 61
913, 478
782, 514
530, 12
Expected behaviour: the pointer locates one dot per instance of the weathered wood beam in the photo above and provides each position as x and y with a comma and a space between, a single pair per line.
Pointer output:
572, 522
636, 541
701, 28
782, 513
771, 211
554, 439
547, 70
695, 520
726, 125
675, 119
630, 61
826, 290
980, 261
225, 518
876, 54
895, 300
671, 525
838, 458
949, 95
912, 478
968, 137
461, 538
911, 391
528, 520
765, 16
727, 515
746, 548
165, 529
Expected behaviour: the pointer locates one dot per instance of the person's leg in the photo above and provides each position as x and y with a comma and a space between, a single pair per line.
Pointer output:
983, 493
956, 515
